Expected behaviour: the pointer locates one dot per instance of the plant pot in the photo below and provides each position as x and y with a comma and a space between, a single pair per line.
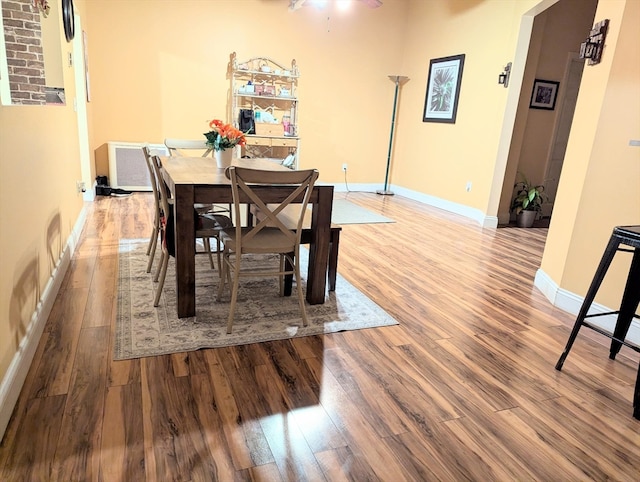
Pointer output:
526, 218
223, 157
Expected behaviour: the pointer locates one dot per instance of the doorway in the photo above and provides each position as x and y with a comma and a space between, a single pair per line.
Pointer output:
560, 138
535, 140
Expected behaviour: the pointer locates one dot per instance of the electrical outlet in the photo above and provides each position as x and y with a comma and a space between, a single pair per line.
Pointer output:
80, 187
468, 188
344, 166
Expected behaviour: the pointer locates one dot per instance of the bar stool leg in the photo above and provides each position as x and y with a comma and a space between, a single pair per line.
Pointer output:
636, 396
630, 301
607, 257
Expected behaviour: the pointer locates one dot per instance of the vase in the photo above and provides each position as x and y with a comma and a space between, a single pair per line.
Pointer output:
526, 218
223, 157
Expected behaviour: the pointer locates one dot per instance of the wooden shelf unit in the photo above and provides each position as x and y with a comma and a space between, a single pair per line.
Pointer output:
269, 89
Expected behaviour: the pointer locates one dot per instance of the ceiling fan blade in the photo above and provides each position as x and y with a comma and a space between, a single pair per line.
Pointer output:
296, 4
372, 3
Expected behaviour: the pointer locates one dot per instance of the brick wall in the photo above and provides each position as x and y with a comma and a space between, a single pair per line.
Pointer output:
23, 41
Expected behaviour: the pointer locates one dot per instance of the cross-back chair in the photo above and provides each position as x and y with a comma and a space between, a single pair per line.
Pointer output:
269, 235
157, 212
187, 148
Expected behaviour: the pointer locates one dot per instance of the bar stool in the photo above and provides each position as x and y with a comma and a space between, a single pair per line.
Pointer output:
622, 235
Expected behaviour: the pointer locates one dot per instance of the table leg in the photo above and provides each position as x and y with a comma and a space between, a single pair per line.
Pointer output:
333, 259
319, 246
185, 232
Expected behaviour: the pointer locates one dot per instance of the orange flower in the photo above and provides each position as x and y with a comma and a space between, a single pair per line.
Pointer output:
223, 136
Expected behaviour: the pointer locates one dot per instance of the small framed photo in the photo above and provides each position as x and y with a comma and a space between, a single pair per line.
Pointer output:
544, 94
443, 89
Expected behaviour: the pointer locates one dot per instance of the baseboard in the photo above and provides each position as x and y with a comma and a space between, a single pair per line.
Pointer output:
468, 212
90, 194
571, 303
17, 372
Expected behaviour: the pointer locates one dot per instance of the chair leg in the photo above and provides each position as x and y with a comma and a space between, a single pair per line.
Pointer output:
154, 235
153, 246
163, 275
234, 294
303, 310
218, 251
207, 246
224, 269
159, 268
607, 257
229, 270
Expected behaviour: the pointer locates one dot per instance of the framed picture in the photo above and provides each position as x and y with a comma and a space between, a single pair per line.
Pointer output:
443, 89
544, 94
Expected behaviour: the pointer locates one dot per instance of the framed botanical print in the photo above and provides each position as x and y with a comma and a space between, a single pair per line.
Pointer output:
443, 89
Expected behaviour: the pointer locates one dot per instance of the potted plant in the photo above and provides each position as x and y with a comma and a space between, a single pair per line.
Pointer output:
527, 202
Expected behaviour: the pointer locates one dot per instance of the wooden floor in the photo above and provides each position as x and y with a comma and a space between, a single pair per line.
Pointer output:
463, 389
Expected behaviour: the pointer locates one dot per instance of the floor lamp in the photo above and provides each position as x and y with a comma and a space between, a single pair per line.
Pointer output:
398, 80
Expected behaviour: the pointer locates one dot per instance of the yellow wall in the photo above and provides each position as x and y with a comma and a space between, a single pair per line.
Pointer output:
600, 183
39, 205
439, 159
163, 72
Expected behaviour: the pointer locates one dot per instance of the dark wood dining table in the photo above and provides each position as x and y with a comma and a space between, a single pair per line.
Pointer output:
198, 180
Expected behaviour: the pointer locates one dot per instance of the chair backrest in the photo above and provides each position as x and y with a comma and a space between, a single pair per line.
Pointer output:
158, 185
247, 182
181, 147
148, 154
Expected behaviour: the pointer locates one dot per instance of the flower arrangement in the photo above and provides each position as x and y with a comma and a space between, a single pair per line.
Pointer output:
223, 136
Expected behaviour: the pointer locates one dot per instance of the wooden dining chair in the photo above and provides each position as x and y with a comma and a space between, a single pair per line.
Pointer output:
269, 235
187, 148
157, 211
207, 226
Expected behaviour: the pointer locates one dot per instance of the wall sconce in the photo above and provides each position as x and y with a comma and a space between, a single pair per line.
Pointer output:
503, 78
592, 47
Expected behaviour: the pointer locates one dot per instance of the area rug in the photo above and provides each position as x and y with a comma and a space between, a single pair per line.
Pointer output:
346, 212
261, 315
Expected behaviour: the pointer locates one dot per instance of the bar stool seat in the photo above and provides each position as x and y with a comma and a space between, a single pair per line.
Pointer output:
622, 236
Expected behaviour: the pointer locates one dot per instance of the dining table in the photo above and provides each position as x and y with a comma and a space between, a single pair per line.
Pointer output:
198, 180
